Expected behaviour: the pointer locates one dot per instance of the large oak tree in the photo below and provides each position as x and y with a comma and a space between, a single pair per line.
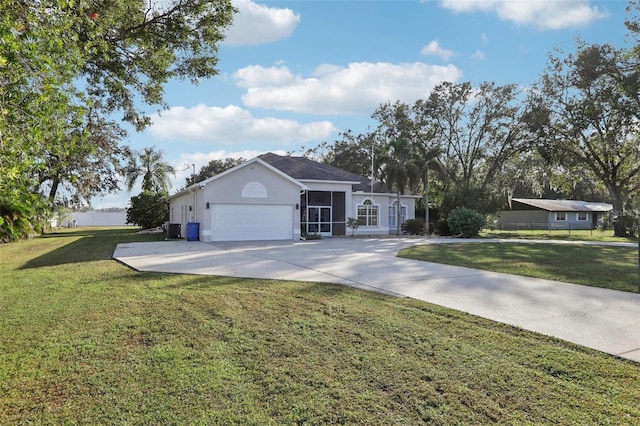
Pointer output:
67, 66
588, 117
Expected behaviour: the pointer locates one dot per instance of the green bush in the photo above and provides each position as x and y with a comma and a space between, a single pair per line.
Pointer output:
148, 210
22, 217
353, 224
413, 226
465, 222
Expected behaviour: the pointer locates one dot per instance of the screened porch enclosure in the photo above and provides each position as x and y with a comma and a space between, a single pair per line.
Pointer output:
323, 213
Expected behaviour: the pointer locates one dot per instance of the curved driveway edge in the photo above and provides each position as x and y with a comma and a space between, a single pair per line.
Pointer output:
602, 319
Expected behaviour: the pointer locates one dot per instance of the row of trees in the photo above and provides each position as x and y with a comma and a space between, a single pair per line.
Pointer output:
67, 68
573, 134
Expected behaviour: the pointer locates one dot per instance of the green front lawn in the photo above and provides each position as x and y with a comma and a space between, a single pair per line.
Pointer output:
598, 266
86, 340
558, 234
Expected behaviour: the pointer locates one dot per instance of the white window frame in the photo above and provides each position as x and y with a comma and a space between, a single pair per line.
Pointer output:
586, 216
371, 212
319, 223
393, 213
561, 216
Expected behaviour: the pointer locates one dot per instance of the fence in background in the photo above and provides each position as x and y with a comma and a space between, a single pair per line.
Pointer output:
91, 218
544, 226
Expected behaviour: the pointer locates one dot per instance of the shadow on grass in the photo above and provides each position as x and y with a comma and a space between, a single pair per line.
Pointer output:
87, 245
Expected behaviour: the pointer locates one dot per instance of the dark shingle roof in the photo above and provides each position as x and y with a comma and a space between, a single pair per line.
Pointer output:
302, 168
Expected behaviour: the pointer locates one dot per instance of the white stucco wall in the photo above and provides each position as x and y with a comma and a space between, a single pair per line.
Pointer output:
383, 201
228, 189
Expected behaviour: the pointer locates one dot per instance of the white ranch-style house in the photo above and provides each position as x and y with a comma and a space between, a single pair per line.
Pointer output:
273, 197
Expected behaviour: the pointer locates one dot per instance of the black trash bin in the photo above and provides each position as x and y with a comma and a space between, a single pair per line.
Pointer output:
173, 231
193, 231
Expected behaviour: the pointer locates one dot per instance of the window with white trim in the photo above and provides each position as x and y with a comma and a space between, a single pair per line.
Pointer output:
561, 216
393, 214
582, 216
367, 214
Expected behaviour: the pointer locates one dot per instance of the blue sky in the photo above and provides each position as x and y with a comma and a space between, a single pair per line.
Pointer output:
296, 73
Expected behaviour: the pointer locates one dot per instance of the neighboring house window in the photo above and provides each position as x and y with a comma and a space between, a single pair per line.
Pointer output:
561, 216
393, 214
582, 216
367, 214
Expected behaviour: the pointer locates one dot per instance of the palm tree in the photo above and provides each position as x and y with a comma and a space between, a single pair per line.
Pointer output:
154, 171
428, 158
401, 170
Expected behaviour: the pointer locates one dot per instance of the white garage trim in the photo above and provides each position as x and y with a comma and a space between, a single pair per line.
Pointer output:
249, 222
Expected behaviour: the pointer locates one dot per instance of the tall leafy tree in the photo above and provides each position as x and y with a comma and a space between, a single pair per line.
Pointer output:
350, 152
38, 102
67, 65
401, 121
88, 160
479, 130
151, 167
213, 168
589, 118
134, 47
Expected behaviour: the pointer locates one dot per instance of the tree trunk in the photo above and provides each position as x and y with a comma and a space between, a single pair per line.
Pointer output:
398, 211
619, 228
55, 183
426, 202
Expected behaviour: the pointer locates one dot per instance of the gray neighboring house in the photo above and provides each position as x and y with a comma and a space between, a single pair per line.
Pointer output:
273, 197
526, 213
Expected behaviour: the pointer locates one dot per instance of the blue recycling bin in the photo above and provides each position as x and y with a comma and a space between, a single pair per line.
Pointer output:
193, 231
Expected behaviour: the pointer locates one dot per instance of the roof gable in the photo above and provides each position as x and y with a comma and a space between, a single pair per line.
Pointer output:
275, 170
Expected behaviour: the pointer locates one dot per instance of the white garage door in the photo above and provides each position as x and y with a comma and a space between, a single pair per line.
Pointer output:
242, 222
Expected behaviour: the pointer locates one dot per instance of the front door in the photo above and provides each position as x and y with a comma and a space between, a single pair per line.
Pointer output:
319, 220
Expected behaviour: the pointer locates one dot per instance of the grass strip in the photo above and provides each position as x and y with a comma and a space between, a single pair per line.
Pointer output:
609, 267
86, 340
558, 234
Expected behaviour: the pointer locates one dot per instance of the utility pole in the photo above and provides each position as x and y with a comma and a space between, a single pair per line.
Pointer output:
372, 203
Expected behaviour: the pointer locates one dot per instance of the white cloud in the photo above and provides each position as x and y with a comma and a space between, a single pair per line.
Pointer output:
484, 38
257, 24
255, 75
543, 14
434, 48
233, 124
358, 88
478, 55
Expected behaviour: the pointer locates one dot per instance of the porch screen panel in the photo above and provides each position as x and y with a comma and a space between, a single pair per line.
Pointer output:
339, 214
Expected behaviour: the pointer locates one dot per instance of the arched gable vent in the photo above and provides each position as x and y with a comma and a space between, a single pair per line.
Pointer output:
254, 190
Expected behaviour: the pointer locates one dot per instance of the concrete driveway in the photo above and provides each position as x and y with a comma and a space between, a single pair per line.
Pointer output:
605, 320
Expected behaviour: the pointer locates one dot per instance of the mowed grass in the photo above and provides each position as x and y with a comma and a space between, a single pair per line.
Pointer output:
598, 266
86, 340
558, 234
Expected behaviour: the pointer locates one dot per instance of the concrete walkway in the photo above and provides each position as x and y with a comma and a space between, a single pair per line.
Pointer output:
605, 320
